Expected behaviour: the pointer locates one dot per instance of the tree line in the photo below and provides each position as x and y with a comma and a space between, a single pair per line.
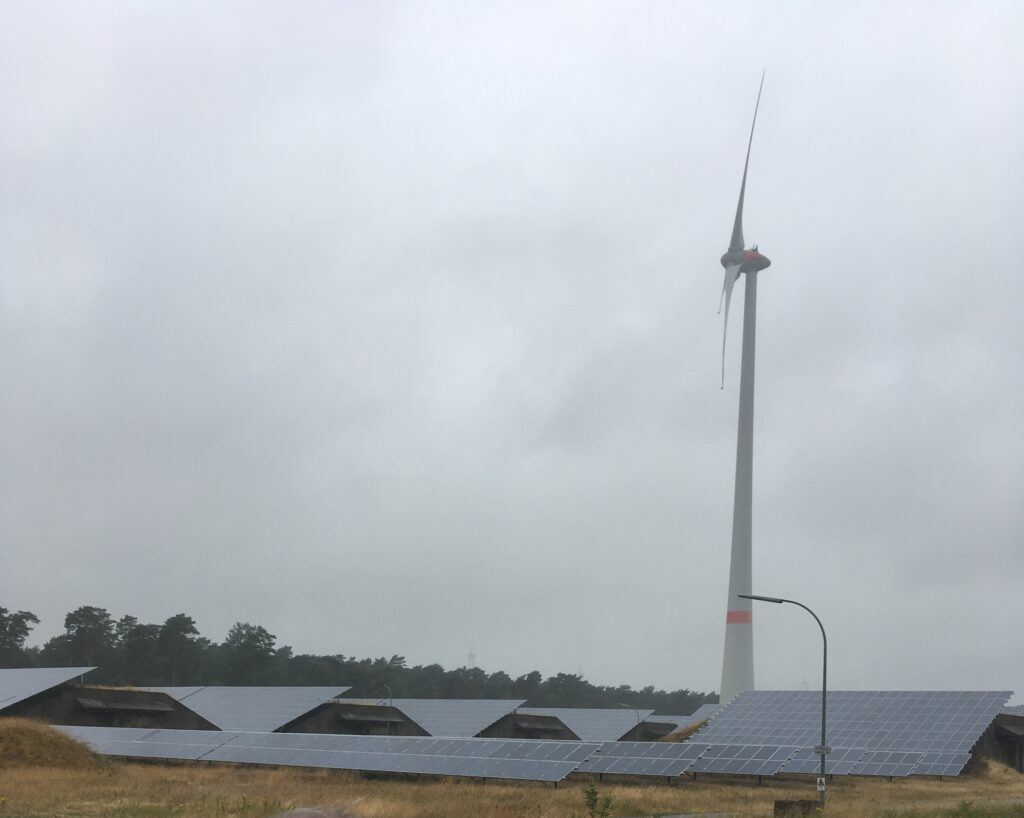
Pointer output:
128, 652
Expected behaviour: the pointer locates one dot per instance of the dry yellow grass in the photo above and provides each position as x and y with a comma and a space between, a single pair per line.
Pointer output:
127, 790
27, 743
154, 791
684, 733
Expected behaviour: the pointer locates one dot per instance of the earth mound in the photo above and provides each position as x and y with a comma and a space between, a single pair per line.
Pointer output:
684, 733
27, 743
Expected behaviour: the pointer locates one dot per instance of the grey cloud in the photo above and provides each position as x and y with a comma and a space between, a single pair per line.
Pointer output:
426, 294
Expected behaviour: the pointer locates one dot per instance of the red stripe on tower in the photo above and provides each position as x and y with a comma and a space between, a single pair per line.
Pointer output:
739, 618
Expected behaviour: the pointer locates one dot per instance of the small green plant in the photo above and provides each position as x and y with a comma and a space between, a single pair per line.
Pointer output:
597, 806
241, 807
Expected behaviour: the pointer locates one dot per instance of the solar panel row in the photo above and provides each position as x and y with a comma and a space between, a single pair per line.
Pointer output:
766, 761
499, 758
479, 758
654, 759
643, 758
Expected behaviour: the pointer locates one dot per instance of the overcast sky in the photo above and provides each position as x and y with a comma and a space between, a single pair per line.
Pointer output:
392, 327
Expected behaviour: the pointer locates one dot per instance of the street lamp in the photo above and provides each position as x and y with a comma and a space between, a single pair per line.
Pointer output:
823, 749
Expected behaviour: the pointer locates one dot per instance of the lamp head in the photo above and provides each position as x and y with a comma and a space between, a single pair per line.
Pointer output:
774, 599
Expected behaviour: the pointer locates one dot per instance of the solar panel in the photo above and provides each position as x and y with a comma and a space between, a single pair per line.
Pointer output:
887, 763
18, 684
643, 758
941, 763
593, 724
157, 736
255, 709
705, 712
141, 742
743, 759
451, 717
841, 761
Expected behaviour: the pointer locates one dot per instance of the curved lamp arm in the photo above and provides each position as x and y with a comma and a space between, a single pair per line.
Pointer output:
823, 748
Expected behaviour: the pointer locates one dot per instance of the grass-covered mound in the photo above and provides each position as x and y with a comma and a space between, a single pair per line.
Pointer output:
26, 743
684, 733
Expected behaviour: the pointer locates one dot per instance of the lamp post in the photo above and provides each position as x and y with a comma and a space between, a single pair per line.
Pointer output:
822, 749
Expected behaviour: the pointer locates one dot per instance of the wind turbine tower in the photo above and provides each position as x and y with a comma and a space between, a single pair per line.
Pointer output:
738, 659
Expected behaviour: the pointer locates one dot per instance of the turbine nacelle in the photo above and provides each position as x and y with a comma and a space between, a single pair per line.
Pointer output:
745, 261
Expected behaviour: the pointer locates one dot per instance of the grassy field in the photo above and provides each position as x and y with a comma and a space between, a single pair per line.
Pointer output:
71, 784
127, 790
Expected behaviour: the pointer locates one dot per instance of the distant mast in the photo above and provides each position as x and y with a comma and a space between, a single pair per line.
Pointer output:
738, 656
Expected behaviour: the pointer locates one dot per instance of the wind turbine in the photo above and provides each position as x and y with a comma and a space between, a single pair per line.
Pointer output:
738, 658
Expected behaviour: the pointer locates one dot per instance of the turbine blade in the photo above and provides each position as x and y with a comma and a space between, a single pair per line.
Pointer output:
732, 272
736, 242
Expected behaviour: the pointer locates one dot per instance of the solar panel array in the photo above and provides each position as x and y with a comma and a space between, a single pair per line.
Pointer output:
890, 733
474, 758
760, 733
939, 721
